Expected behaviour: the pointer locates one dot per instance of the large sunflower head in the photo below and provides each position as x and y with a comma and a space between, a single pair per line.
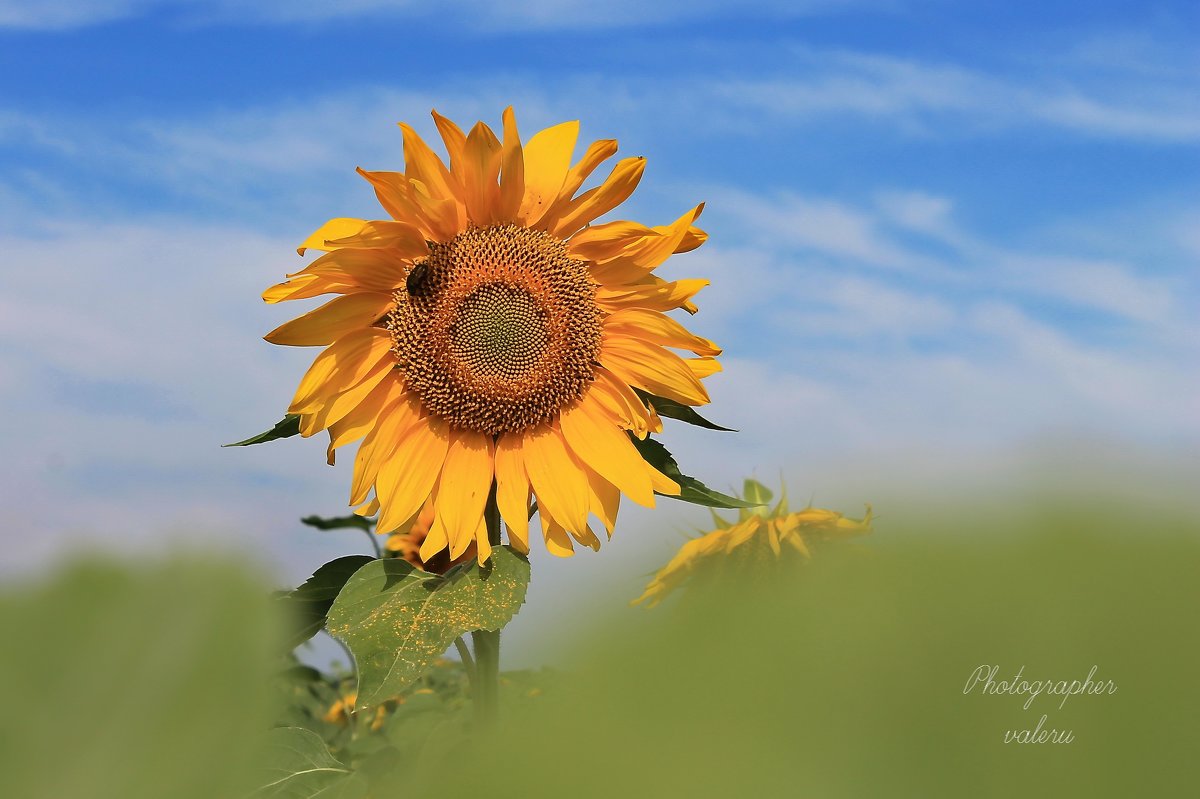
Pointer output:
490, 335
759, 540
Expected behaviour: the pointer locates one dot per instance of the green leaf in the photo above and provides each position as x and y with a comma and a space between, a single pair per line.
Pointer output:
298, 765
309, 604
285, 428
677, 410
691, 489
338, 522
397, 619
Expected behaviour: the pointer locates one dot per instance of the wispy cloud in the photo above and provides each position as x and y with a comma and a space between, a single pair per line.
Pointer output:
948, 100
470, 14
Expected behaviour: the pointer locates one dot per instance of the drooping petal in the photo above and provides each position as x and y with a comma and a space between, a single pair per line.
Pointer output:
366, 416
512, 489
393, 424
558, 542
332, 320
410, 473
604, 500
591, 433
463, 488
557, 481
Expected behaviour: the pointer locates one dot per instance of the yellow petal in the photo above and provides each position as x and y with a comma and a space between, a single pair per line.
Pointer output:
694, 238
394, 421
435, 541
405, 481
618, 399
558, 482
481, 167
608, 240
547, 157
596, 439
335, 408
558, 542
370, 509
512, 172
455, 141
361, 420
651, 251
447, 216
379, 270
307, 286
404, 240
651, 368
597, 153
655, 294
596, 202
483, 547
420, 163
332, 320
340, 366
512, 489
703, 367
604, 500
643, 247
659, 329
333, 229
463, 487
436, 221
587, 538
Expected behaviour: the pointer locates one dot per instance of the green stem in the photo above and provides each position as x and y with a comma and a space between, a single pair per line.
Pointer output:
486, 686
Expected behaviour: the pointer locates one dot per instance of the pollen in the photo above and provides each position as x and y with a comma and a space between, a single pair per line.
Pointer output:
497, 329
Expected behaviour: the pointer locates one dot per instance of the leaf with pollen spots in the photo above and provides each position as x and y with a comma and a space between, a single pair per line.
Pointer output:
397, 619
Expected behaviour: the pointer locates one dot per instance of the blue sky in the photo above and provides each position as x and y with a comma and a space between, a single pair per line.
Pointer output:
942, 234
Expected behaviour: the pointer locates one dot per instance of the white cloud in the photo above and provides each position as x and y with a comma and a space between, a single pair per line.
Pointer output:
942, 100
470, 14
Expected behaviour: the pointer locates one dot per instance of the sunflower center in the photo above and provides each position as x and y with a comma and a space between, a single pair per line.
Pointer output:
498, 329
500, 332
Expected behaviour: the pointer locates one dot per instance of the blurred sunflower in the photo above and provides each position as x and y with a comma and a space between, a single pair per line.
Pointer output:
406, 543
489, 335
756, 539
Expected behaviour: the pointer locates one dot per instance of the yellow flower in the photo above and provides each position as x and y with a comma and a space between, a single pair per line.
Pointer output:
339, 712
759, 536
489, 332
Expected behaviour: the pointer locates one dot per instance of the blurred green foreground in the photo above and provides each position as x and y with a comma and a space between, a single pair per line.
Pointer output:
846, 680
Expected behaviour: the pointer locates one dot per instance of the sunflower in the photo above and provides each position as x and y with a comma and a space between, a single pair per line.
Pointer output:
753, 542
489, 337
